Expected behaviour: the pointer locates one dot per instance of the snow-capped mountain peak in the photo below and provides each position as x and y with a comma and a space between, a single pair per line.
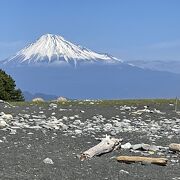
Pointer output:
51, 48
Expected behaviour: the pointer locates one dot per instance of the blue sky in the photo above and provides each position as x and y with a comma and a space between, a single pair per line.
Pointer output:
127, 29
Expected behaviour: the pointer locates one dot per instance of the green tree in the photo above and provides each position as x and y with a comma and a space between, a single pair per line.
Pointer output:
8, 91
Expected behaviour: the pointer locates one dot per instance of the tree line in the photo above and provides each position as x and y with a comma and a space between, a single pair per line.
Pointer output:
8, 90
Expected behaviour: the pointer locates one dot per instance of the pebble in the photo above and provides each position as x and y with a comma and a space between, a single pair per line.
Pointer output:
126, 146
77, 131
48, 161
2, 123
123, 171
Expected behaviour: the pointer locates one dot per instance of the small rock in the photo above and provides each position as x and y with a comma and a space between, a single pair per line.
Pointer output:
3, 123
153, 148
123, 171
108, 127
174, 161
52, 105
126, 146
7, 117
71, 117
77, 121
77, 131
145, 147
65, 118
13, 131
48, 161
136, 146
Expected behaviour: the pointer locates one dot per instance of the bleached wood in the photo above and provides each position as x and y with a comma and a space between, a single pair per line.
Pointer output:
133, 159
107, 144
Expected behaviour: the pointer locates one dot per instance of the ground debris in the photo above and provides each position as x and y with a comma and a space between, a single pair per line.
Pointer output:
106, 145
148, 160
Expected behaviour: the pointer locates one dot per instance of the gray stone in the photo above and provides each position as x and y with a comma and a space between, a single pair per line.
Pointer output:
48, 161
77, 131
136, 146
126, 146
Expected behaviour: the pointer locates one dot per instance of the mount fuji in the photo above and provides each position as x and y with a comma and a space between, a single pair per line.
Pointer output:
47, 66
55, 50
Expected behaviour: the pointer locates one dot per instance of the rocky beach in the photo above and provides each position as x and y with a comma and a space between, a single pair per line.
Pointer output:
44, 140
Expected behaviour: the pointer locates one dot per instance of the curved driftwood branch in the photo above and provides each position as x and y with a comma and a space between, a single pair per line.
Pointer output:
107, 144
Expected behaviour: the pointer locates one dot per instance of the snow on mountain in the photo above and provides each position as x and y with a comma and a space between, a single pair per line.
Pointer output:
51, 48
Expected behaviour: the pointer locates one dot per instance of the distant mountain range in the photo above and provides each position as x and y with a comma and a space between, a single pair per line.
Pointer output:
169, 66
97, 81
53, 65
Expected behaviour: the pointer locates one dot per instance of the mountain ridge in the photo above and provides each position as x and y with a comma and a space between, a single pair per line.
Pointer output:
54, 49
158, 65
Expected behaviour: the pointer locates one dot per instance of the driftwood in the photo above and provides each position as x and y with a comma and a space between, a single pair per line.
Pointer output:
174, 147
107, 144
133, 159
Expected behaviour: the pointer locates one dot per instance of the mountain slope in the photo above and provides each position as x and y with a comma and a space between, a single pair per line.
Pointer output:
97, 81
54, 49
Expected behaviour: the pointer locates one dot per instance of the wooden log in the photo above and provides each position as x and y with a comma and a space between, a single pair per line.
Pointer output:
149, 160
174, 147
107, 144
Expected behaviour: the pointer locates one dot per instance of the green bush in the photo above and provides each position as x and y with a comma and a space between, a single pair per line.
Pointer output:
8, 91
